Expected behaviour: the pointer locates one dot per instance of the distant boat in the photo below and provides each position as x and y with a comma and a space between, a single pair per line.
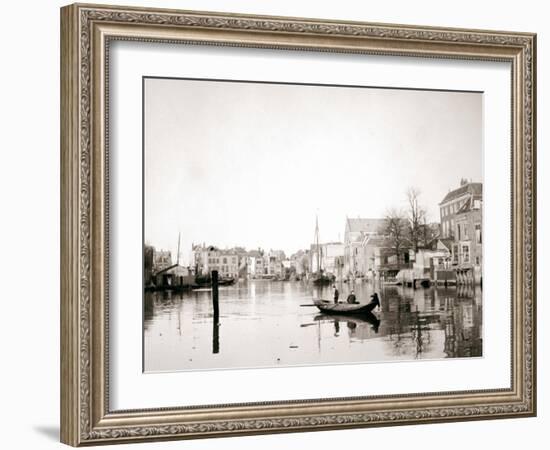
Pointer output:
347, 308
202, 281
225, 281
319, 277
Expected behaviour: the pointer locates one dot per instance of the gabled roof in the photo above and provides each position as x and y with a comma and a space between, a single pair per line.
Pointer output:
447, 242
475, 189
377, 241
365, 225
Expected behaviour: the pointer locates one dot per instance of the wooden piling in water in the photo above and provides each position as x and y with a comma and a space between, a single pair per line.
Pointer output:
215, 296
216, 318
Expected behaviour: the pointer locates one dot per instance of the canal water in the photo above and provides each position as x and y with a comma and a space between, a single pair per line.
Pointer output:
262, 324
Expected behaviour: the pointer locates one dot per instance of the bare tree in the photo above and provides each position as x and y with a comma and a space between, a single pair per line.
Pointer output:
148, 256
395, 228
416, 218
429, 233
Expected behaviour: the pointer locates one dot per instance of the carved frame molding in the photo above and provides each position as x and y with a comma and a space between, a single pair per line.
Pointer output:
86, 31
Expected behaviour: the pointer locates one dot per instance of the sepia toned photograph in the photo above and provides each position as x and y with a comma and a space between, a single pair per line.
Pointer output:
289, 224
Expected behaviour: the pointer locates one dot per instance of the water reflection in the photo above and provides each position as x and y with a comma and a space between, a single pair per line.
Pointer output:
263, 325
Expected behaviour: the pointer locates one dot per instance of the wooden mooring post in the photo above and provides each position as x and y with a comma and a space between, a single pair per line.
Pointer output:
216, 318
215, 296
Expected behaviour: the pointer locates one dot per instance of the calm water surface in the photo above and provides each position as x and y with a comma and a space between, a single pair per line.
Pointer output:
263, 325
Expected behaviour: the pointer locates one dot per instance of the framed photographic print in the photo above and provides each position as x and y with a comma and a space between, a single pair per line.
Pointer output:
274, 224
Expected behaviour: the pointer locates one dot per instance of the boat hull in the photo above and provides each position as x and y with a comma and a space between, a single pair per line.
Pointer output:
345, 308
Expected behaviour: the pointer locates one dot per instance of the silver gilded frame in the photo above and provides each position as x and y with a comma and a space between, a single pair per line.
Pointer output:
86, 32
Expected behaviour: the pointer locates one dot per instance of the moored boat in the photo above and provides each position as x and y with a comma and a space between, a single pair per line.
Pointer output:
225, 281
321, 279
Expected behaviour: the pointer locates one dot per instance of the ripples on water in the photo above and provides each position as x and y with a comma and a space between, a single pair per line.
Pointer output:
263, 325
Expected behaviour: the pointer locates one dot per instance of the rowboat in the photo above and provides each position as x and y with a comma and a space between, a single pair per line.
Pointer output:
346, 308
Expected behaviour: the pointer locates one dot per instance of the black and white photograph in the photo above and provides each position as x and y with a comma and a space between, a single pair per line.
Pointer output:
303, 224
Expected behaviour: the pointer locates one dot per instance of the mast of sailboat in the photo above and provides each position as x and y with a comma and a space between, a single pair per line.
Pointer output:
317, 243
178, 256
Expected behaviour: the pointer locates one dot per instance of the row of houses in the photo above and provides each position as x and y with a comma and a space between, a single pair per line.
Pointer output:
160, 271
238, 262
451, 250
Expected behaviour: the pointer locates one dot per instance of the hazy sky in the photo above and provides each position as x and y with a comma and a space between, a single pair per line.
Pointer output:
251, 164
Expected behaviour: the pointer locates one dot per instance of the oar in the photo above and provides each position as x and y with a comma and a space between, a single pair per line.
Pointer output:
309, 304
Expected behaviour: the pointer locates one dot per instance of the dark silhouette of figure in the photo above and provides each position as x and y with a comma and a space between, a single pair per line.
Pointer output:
375, 300
336, 294
351, 297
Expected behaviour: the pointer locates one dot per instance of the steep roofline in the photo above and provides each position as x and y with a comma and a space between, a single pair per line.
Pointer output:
452, 195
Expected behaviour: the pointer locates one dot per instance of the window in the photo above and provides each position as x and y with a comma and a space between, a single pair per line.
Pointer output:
477, 261
478, 233
455, 254
466, 253
465, 231
458, 231
225, 260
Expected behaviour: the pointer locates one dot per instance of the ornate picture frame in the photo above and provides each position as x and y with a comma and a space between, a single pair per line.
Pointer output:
86, 33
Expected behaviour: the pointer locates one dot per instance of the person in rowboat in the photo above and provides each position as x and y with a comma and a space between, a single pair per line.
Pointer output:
351, 297
336, 293
375, 299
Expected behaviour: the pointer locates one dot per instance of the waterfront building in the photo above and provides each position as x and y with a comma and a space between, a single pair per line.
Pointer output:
461, 224
174, 277
205, 259
356, 231
454, 201
162, 259
255, 264
273, 263
377, 259
428, 260
467, 248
